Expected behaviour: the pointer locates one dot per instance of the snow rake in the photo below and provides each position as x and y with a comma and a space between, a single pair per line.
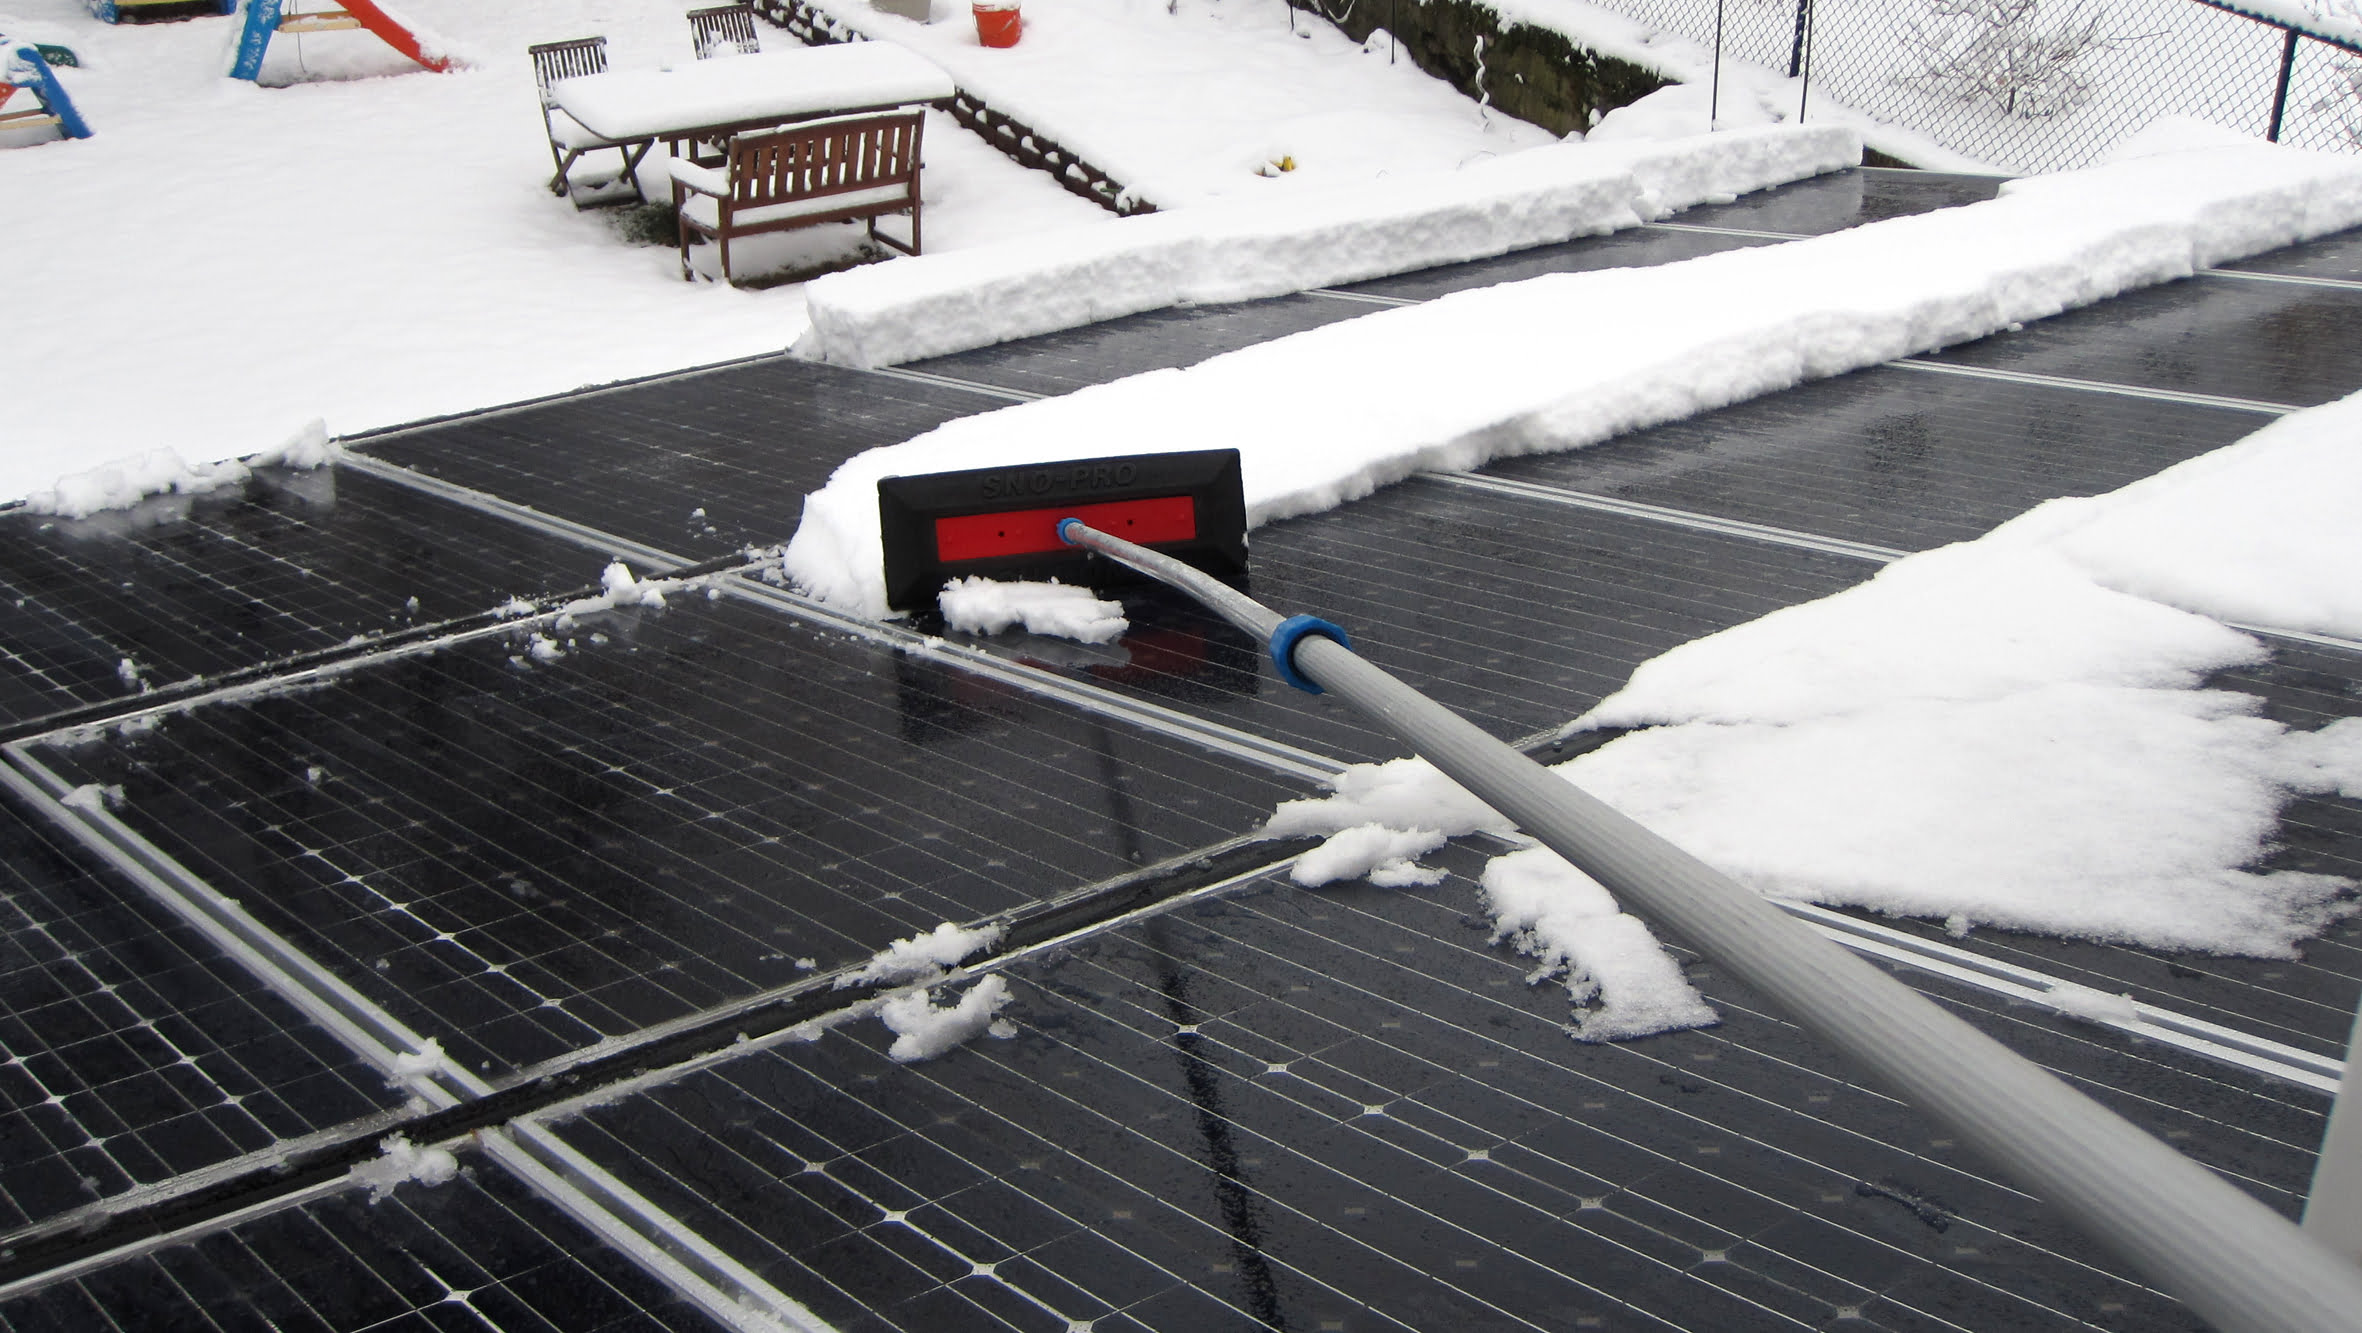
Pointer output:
2231, 1259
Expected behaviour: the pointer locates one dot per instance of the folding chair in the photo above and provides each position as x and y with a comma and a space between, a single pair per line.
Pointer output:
568, 140
723, 28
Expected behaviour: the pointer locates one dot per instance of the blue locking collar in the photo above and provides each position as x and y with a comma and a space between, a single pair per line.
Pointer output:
1283, 646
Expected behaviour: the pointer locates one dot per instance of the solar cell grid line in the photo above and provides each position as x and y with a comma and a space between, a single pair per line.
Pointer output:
2239, 1110
1437, 998
224, 789
1005, 1249
477, 1252
133, 1050
834, 1084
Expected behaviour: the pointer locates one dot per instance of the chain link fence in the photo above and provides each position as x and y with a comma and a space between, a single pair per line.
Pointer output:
2041, 85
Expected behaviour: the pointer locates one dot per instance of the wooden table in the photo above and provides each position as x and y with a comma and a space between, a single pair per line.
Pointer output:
710, 100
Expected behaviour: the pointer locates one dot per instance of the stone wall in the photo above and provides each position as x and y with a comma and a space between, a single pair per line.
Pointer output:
1531, 73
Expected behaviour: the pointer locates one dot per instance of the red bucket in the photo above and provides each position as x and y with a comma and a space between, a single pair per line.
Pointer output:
996, 24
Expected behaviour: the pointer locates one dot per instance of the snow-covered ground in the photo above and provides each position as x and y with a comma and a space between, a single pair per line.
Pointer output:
1226, 106
223, 264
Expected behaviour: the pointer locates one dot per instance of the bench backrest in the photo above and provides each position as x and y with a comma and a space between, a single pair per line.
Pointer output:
553, 61
723, 26
830, 157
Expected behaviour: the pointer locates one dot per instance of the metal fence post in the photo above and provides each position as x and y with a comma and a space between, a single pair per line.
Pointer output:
2280, 95
1714, 93
1800, 62
1796, 49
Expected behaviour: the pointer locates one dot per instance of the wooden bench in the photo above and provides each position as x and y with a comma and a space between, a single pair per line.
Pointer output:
804, 175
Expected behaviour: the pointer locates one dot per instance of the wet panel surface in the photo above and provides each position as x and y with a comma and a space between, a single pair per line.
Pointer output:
1640, 247
1892, 457
2338, 257
131, 1050
1844, 199
523, 856
700, 465
1056, 363
185, 586
480, 1252
2267, 341
1522, 614
1342, 1109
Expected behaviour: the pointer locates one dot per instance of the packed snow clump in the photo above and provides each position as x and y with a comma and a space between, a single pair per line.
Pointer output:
1332, 414
400, 1162
922, 1030
1561, 917
923, 956
937, 304
1061, 610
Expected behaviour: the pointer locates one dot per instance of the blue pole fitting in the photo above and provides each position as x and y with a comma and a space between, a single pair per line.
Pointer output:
1283, 647
1063, 525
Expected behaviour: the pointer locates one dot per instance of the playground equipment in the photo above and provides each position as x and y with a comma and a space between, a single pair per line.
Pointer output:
261, 20
22, 66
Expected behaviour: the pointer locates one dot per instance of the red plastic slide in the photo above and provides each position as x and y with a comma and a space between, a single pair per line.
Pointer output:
397, 34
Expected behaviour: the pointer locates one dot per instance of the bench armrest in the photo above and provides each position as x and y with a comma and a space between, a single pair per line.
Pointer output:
704, 180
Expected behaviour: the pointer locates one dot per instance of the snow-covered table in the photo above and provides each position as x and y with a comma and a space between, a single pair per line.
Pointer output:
712, 99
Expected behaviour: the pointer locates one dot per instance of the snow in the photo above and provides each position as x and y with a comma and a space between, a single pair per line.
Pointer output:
984, 606
400, 1162
1187, 102
785, 81
922, 1030
1331, 414
2263, 532
923, 956
1385, 856
242, 261
1610, 962
939, 304
2092, 1005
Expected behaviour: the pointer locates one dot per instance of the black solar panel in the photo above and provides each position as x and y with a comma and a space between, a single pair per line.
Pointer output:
131, 1051
523, 857
1341, 1109
1844, 199
478, 1252
188, 586
703, 464
1892, 457
2267, 341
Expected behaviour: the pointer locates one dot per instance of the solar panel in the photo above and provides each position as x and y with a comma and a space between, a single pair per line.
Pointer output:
134, 1051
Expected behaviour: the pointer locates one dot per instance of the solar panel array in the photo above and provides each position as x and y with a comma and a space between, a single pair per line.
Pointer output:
576, 886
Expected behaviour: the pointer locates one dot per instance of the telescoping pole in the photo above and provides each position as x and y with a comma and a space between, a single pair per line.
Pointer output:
2238, 1264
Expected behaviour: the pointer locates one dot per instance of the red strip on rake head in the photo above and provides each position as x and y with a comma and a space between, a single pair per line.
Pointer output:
1003, 522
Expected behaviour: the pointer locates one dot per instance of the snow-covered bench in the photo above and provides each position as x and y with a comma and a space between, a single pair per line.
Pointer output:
841, 170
